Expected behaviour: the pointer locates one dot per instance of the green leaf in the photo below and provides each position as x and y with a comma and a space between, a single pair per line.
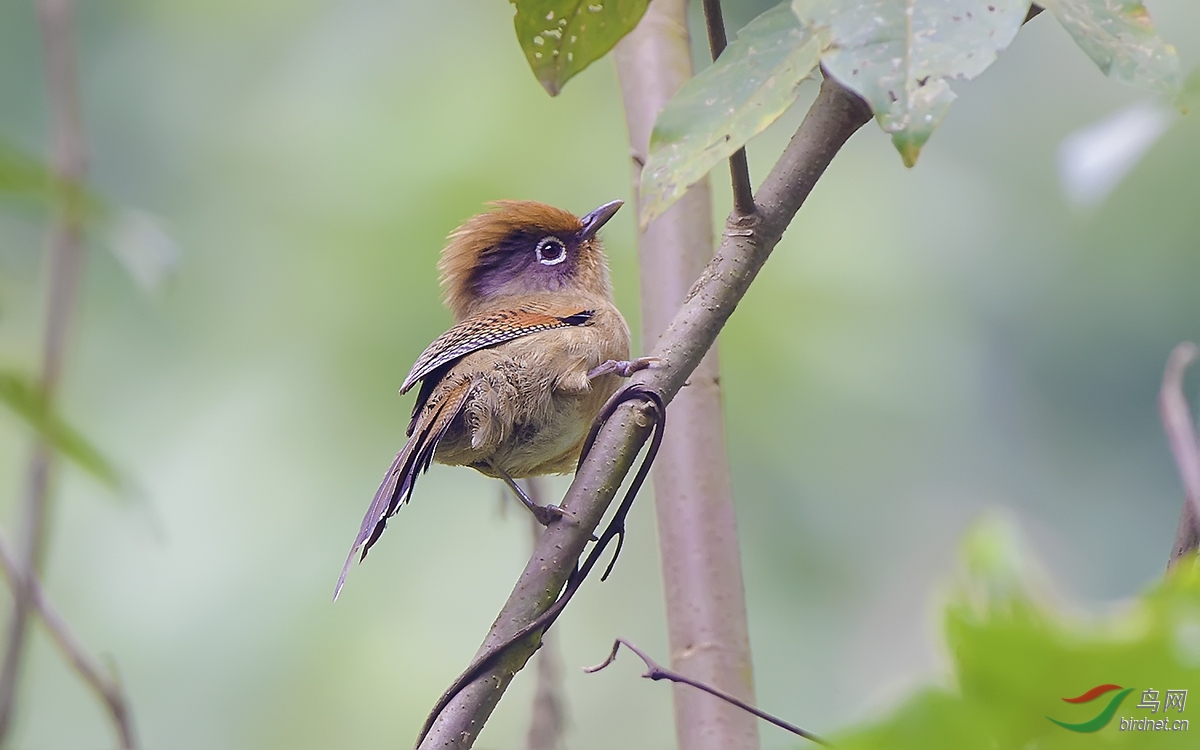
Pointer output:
753, 82
562, 37
25, 398
136, 238
22, 176
898, 54
1119, 36
1189, 97
1017, 659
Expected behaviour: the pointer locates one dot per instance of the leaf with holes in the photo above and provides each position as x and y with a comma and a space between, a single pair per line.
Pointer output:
899, 54
562, 37
753, 82
21, 395
1119, 37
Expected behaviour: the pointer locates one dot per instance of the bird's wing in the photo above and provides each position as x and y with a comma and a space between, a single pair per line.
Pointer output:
484, 330
412, 460
439, 402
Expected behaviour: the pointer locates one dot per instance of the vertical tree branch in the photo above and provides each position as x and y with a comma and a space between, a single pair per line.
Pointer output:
548, 719
739, 170
697, 527
1181, 436
65, 270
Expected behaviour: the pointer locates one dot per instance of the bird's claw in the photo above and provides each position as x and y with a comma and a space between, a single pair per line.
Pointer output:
547, 514
623, 367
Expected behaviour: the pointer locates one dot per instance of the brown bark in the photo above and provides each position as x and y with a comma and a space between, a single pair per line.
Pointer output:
697, 529
1185, 448
65, 262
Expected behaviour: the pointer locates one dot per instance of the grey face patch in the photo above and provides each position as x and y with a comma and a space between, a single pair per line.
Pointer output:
524, 262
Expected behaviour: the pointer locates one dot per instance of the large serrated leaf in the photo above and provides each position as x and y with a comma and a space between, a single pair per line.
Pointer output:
1119, 36
753, 82
562, 37
20, 394
898, 54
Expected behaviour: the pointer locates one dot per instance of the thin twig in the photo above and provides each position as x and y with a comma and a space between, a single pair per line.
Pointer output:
739, 169
836, 114
66, 269
107, 688
655, 671
1181, 436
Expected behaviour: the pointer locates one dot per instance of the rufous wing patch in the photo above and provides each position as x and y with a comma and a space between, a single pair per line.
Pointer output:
484, 330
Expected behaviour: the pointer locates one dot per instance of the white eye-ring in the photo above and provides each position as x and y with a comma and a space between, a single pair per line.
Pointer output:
551, 251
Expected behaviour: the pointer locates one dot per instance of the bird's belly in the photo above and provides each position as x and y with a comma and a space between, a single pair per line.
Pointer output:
530, 402
543, 439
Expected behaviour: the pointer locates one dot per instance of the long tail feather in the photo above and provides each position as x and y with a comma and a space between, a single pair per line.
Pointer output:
401, 477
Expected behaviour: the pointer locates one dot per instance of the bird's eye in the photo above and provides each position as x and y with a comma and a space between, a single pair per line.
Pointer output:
551, 251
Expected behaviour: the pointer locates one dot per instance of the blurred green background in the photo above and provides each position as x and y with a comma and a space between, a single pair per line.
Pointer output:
924, 345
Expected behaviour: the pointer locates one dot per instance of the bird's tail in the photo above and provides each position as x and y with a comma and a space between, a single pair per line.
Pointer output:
412, 460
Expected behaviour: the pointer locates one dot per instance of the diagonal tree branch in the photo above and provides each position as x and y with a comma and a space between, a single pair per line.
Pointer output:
106, 687
747, 243
489, 655
1181, 436
66, 269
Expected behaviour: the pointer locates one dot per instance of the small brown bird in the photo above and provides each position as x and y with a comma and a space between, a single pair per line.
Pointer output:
536, 349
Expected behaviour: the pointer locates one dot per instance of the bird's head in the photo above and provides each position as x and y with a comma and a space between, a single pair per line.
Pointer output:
523, 247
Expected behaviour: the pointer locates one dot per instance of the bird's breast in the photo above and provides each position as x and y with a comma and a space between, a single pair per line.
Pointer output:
530, 403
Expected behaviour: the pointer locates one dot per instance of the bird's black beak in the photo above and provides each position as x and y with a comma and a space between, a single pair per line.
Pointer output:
596, 219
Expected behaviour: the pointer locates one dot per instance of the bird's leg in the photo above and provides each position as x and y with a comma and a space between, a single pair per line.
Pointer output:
622, 367
543, 513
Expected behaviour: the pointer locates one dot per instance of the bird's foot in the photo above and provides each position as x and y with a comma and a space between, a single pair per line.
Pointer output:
548, 514
545, 514
623, 367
